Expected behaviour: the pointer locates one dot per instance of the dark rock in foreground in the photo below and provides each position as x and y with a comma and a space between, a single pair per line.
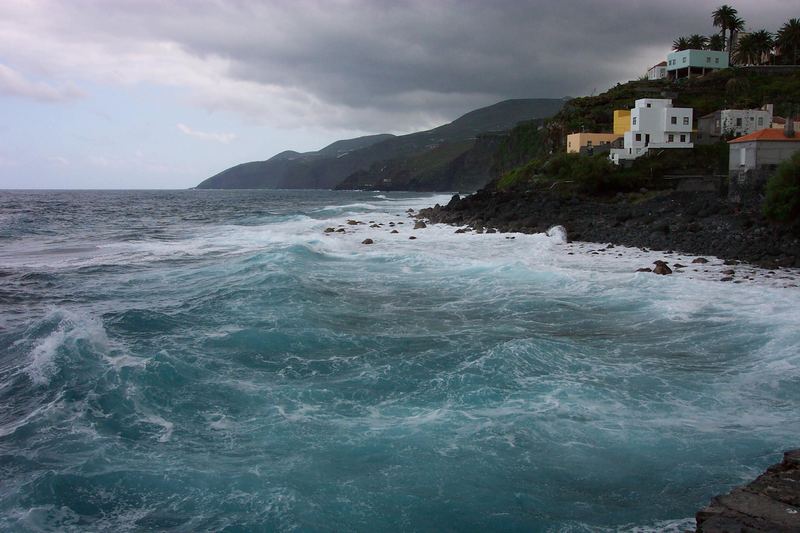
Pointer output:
689, 222
770, 503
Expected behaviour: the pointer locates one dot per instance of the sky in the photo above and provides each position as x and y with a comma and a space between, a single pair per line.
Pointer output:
126, 94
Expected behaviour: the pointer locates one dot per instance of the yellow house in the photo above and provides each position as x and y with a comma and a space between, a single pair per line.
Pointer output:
622, 121
576, 141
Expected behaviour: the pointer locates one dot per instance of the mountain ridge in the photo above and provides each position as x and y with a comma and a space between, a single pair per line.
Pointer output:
332, 165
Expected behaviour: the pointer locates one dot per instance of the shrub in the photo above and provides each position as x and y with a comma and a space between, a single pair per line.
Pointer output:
782, 202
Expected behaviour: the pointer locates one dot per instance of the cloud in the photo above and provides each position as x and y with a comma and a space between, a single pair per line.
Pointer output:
223, 138
13, 83
360, 64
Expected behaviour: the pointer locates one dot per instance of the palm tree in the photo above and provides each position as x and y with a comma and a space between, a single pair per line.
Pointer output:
716, 42
735, 26
788, 39
748, 50
697, 42
723, 16
764, 43
681, 43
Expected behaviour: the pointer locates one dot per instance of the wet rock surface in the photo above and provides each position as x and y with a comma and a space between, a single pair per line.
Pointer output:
770, 503
695, 223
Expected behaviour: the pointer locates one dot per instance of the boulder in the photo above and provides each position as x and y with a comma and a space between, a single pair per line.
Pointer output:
461, 230
394, 231
353, 222
661, 268
412, 238
644, 269
726, 278
678, 265
367, 241
330, 230
340, 230
728, 272
420, 225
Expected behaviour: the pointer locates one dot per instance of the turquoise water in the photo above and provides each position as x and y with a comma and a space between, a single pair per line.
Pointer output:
209, 360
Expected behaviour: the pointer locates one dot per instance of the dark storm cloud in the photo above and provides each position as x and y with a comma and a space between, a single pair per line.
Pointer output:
369, 58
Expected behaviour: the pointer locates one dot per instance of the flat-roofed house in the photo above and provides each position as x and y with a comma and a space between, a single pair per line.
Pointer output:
689, 63
655, 123
576, 141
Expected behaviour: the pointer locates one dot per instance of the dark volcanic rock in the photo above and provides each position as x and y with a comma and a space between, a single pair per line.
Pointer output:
367, 241
420, 224
661, 268
645, 269
659, 222
770, 503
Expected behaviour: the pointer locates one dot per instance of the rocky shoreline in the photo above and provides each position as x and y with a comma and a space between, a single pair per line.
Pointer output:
694, 223
770, 503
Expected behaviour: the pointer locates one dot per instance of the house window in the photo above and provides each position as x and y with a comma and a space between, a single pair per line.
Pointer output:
684, 60
685, 121
674, 120
638, 137
760, 121
633, 121
588, 144
716, 60
738, 122
649, 105
708, 60
683, 138
671, 138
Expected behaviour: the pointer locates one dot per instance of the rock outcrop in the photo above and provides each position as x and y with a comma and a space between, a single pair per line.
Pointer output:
770, 503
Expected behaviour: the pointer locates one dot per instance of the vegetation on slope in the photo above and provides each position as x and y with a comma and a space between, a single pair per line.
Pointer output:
533, 154
782, 202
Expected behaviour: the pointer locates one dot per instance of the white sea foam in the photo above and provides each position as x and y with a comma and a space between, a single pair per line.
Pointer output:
72, 328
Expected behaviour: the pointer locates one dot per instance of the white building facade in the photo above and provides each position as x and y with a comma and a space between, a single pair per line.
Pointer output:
655, 124
738, 122
657, 72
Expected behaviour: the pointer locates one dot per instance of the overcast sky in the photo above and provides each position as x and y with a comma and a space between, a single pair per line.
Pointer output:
164, 93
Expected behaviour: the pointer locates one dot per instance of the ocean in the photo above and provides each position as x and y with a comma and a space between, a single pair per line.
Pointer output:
214, 361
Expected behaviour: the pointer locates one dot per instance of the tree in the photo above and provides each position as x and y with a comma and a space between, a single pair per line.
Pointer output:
788, 40
746, 52
722, 17
716, 42
764, 43
697, 42
782, 201
736, 25
753, 47
681, 43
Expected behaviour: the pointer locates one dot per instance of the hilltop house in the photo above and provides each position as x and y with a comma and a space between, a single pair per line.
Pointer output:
732, 123
655, 124
657, 72
686, 63
588, 143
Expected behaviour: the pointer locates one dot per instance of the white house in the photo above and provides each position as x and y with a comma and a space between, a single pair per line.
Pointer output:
657, 72
762, 150
655, 124
733, 123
